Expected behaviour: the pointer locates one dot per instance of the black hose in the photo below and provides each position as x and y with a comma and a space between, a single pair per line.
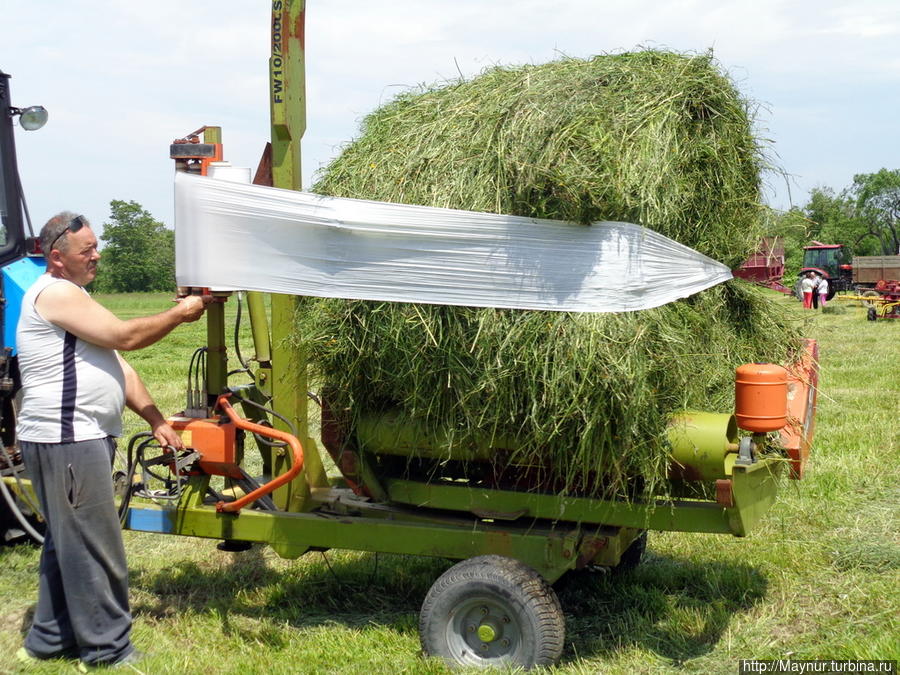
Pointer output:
17, 512
31, 505
129, 474
268, 411
196, 373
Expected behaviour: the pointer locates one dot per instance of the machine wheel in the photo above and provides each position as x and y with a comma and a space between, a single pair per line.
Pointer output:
631, 556
492, 611
871, 314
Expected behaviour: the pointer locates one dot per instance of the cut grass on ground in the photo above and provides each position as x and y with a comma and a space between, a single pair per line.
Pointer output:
819, 578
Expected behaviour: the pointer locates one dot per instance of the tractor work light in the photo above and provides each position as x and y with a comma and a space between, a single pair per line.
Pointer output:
31, 118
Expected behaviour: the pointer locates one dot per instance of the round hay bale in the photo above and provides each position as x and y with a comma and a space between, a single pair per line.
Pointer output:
582, 400
655, 138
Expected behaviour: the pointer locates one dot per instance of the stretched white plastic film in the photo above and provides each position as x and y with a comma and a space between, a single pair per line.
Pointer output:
232, 236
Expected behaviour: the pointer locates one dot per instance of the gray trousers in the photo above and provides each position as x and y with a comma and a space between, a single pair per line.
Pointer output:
82, 606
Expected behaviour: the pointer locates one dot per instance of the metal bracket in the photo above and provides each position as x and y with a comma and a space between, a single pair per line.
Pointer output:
180, 462
186, 461
746, 452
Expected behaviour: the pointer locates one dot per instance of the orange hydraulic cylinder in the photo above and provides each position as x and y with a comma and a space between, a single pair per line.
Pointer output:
761, 397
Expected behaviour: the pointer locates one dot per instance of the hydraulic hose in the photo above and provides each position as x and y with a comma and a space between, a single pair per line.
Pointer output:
13, 506
17, 512
289, 475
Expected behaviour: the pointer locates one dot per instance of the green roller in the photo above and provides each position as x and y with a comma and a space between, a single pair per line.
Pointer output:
700, 443
386, 434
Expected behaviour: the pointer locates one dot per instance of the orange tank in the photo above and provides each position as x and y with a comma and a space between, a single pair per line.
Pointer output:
760, 397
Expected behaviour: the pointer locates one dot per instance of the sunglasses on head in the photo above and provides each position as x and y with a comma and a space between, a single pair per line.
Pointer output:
73, 226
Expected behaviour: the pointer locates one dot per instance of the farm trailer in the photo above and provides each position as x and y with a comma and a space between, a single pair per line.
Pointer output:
766, 266
876, 280
870, 269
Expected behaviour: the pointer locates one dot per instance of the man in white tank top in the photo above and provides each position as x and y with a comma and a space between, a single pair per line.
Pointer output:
74, 388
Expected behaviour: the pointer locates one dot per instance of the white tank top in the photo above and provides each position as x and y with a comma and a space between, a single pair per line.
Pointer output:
72, 390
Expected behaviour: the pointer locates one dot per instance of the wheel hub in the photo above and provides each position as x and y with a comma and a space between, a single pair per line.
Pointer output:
487, 632
483, 631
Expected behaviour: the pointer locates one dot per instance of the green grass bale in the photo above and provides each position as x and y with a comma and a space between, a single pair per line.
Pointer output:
660, 139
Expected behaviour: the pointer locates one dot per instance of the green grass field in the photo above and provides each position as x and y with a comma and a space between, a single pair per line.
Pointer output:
819, 578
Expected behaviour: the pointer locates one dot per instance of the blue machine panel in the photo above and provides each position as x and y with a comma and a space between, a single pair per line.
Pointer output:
150, 520
17, 278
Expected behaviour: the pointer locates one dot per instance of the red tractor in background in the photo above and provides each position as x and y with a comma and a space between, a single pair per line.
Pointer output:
873, 276
828, 261
766, 266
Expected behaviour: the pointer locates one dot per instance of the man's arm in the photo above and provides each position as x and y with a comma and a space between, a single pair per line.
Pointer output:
138, 399
67, 306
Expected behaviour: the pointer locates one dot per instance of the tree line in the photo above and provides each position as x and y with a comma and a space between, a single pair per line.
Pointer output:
139, 251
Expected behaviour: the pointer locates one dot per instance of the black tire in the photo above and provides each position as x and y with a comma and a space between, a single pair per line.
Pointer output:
871, 314
631, 556
492, 611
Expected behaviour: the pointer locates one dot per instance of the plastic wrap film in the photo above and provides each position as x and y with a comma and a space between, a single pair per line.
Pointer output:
232, 236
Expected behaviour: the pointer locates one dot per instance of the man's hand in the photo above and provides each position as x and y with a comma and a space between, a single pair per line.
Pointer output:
193, 306
165, 435
139, 400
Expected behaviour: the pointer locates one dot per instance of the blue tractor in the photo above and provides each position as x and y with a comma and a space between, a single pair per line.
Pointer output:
21, 263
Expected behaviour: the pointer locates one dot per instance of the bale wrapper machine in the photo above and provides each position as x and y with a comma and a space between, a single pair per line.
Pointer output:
496, 606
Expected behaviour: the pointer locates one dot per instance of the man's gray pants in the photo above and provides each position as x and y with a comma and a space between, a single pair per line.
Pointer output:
82, 603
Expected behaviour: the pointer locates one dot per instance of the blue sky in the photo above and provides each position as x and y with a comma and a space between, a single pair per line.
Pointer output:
122, 80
